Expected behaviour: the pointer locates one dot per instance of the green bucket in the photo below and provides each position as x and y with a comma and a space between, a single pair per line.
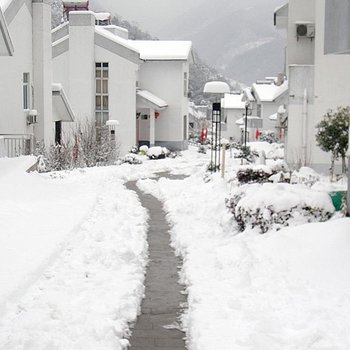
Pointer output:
337, 199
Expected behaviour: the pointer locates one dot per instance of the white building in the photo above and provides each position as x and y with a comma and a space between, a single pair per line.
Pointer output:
109, 77
99, 72
233, 109
269, 95
26, 95
317, 81
164, 72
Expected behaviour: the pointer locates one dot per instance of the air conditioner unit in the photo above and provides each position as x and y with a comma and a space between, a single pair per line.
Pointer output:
305, 30
32, 117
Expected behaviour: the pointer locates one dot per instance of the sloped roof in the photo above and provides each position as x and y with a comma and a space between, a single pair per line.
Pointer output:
156, 50
4, 4
233, 101
62, 109
6, 46
152, 99
269, 92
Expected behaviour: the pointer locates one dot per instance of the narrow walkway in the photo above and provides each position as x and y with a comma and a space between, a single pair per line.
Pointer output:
156, 327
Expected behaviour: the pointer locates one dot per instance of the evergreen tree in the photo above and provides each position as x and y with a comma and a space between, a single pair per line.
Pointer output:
333, 135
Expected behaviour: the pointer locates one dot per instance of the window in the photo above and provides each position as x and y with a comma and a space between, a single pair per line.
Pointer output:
258, 110
185, 127
102, 94
26, 91
185, 84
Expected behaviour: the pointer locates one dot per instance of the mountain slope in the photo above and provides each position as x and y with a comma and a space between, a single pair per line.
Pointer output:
236, 37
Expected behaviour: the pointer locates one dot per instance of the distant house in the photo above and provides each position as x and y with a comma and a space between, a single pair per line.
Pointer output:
164, 72
317, 81
26, 94
270, 95
142, 84
233, 109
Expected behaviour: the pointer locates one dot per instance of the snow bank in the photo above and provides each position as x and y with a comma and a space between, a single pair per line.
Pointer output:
282, 290
72, 260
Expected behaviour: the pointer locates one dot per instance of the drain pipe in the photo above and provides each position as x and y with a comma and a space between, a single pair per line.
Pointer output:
304, 129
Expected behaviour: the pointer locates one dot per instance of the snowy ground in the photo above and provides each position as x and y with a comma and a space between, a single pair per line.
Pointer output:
72, 268
73, 256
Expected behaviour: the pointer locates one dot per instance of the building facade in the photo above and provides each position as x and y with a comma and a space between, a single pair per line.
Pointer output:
318, 81
26, 91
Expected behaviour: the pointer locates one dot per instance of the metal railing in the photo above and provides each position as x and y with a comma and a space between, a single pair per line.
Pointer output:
15, 145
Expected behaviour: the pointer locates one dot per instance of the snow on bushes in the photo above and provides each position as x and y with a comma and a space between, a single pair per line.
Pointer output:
131, 158
263, 173
273, 206
157, 152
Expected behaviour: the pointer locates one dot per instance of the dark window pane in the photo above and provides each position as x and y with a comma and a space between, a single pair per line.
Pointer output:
105, 103
105, 86
98, 102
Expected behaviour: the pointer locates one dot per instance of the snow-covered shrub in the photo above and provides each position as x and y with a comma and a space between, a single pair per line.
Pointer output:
269, 206
156, 152
143, 150
305, 176
202, 149
134, 150
131, 158
262, 173
268, 136
247, 154
86, 146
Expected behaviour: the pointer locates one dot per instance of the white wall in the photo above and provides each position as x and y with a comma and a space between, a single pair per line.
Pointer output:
165, 80
300, 51
232, 129
332, 80
122, 95
12, 115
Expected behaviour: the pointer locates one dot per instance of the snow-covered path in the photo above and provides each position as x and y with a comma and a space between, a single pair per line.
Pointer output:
282, 290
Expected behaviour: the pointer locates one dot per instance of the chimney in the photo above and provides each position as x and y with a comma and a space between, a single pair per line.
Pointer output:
82, 63
119, 31
280, 79
74, 5
42, 69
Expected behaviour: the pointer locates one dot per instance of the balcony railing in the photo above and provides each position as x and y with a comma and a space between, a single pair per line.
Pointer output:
15, 145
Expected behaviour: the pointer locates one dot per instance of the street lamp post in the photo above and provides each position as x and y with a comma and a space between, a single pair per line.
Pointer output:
217, 89
348, 196
246, 123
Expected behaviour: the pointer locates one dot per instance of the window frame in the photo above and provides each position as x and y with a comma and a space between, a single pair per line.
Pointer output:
101, 93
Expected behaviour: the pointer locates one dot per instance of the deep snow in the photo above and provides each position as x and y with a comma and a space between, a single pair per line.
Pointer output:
79, 281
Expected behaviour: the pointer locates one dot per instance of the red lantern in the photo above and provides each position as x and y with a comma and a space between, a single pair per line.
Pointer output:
204, 134
156, 114
257, 134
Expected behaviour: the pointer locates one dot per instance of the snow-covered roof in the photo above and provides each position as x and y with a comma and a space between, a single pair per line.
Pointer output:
273, 117
156, 50
247, 95
6, 46
233, 101
117, 39
240, 121
102, 16
216, 87
4, 4
75, 3
154, 100
269, 92
62, 109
